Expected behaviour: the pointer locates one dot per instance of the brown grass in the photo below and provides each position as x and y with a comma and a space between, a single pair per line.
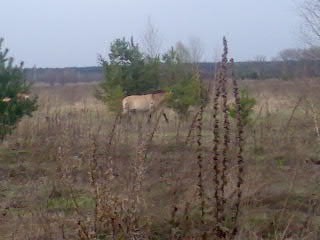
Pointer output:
47, 164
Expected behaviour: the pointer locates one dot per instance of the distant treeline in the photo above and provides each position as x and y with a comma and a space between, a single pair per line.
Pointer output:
243, 70
269, 69
61, 76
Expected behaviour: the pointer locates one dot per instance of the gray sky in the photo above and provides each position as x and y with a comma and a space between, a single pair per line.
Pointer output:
65, 33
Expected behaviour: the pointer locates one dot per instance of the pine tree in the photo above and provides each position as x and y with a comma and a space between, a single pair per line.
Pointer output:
185, 93
181, 79
127, 73
15, 101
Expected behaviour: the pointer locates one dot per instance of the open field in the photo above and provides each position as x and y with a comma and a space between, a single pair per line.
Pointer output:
73, 151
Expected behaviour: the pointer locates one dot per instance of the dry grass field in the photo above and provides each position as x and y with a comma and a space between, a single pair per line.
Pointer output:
73, 169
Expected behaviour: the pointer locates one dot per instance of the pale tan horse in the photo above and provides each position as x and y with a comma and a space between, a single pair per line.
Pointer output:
20, 96
147, 103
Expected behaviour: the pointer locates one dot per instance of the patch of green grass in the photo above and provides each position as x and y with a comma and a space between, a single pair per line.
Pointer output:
258, 218
67, 204
280, 161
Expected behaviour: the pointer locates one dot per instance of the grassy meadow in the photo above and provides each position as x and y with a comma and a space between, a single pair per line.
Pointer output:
74, 169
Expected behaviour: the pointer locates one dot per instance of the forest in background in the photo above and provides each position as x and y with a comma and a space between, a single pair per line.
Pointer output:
244, 70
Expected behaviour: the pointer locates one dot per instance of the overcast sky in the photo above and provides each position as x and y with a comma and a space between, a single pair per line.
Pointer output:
65, 33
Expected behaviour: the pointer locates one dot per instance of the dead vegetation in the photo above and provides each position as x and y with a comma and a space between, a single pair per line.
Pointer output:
74, 171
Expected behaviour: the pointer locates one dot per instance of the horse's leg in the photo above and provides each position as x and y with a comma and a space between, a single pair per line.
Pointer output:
165, 117
149, 117
151, 110
120, 119
128, 118
126, 128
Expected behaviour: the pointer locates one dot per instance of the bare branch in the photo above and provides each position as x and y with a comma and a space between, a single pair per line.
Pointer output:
310, 13
151, 40
196, 49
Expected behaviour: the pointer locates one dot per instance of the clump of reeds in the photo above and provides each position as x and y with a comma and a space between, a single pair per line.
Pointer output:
139, 169
114, 215
108, 208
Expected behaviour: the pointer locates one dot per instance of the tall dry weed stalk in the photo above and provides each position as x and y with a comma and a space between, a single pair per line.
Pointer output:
200, 159
226, 127
141, 155
192, 126
139, 168
87, 228
93, 174
217, 140
221, 147
223, 221
239, 147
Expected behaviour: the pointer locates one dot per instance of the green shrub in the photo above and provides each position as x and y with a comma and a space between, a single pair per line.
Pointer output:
185, 93
15, 101
246, 103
